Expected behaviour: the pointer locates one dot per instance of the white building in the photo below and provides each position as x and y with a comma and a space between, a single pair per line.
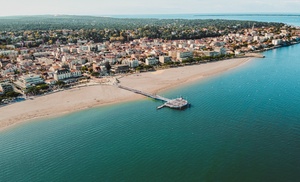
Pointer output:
184, 55
24, 51
151, 61
111, 58
101, 47
251, 47
65, 49
41, 54
269, 35
277, 42
26, 62
76, 73
221, 50
65, 74
27, 81
181, 46
84, 48
165, 59
132, 63
260, 38
256, 38
211, 53
9, 52
82, 41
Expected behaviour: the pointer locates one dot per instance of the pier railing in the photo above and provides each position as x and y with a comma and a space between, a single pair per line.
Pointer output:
157, 97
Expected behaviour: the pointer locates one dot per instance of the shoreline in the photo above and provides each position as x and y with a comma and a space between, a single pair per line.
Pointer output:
66, 102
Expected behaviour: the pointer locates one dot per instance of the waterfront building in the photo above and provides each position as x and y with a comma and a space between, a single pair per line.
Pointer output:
6, 87
76, 73
132, 63
63, 74
151, 61
220, 50
27, 81
165, 59
277, 42
184, 55
211, 53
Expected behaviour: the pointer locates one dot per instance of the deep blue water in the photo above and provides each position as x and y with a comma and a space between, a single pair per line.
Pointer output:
243, 125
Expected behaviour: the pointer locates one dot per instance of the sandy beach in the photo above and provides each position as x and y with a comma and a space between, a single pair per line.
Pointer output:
86, 97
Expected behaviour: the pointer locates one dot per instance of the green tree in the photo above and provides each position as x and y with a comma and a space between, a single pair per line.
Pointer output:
95, 74
107, 66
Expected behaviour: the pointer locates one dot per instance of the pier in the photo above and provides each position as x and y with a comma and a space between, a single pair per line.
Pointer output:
178, 103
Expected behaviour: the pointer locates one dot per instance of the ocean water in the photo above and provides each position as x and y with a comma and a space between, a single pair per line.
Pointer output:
243, 125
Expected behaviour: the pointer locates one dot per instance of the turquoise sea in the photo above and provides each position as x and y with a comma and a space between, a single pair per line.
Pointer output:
243, 125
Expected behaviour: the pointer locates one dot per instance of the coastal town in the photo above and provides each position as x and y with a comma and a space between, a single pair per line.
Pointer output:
30, 68
159, 90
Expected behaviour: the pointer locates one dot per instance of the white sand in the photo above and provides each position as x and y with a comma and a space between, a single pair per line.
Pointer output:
86, 97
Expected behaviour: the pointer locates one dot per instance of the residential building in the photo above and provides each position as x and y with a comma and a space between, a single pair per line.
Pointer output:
269, 35
220, 50
111, 58
9, 52
165, 59
6, 87
63, 74
184, 55
27, 81
151, 61
211, 53
173, 54
132, 63
84, 48
277, 42
65, 49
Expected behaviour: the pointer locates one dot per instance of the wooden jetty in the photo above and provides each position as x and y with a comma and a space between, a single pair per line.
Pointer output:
178, 103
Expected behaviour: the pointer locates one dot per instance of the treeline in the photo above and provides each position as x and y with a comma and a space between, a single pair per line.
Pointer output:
117, 29
90, 22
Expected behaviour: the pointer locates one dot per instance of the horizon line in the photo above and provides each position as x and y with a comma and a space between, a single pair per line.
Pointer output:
195, 14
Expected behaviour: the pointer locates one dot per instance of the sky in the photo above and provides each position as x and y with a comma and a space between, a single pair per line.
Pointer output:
131, 7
